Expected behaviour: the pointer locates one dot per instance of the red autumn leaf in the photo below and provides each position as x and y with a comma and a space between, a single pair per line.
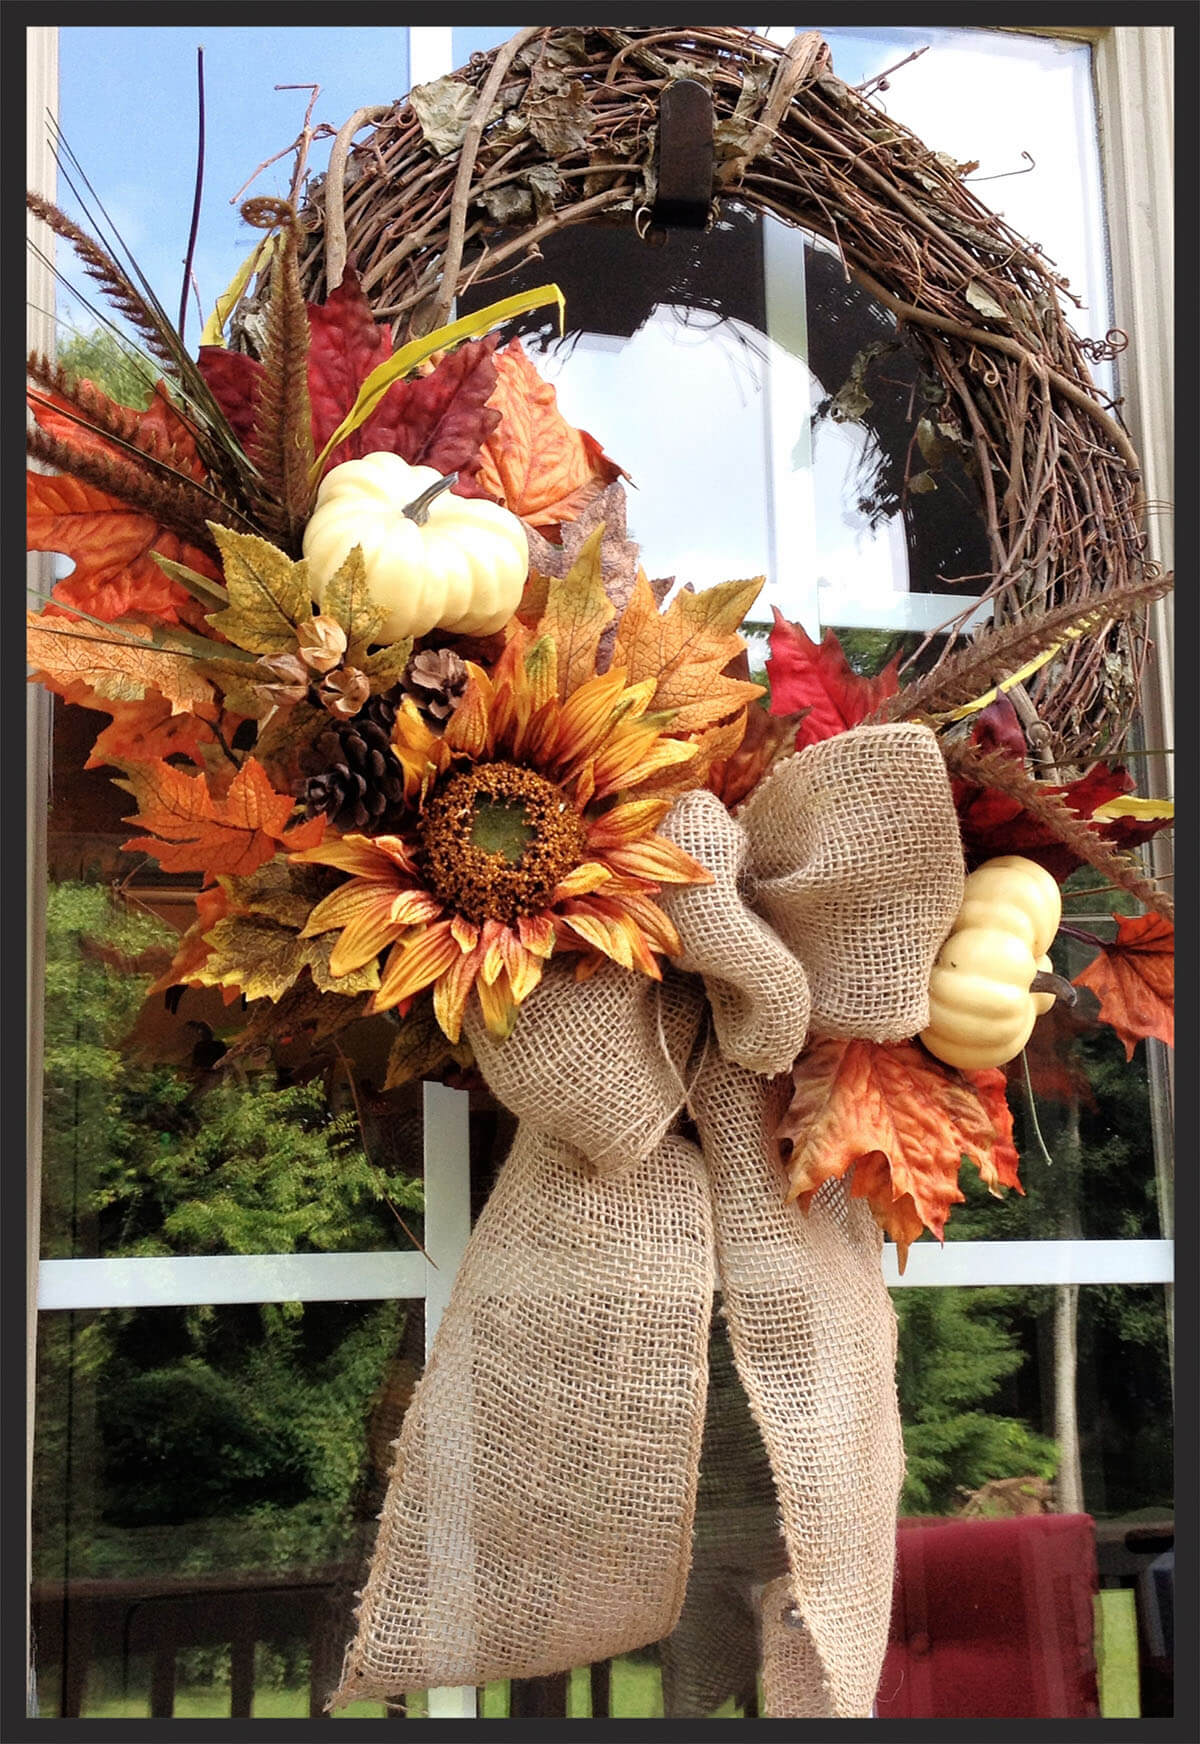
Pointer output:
998, 728
438, 419
816, 676
995, 823
535, 463
194, 832
441, 419
902, 1122
345, 344
1134, 980
235, 382
114, 575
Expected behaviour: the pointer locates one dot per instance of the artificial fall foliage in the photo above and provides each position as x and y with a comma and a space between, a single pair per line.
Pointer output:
898, 1123
1134, 980
535, 463
189, 829
816, 679
189, 618
438, 419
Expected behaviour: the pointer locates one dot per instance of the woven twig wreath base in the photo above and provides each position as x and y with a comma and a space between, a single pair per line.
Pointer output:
558, 127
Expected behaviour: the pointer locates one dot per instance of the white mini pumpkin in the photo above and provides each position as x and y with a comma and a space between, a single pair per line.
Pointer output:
433, 561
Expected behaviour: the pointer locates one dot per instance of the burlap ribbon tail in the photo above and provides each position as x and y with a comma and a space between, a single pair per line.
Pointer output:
540, 1509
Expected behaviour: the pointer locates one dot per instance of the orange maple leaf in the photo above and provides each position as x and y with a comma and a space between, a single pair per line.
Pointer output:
1134, 980
110, 545
685, 649
534, 462
141, 732
193, 832
118, 663
902, 1122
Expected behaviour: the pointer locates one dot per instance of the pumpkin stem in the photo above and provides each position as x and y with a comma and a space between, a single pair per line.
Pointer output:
418, 509
1047, 982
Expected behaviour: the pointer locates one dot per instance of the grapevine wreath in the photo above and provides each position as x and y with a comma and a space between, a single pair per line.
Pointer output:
746, 962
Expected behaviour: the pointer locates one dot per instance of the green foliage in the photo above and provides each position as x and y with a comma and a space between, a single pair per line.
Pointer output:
955, 1352
99, 357
211, 1438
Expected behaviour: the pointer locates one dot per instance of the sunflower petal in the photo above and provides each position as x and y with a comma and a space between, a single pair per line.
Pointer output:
585, 718
626, 823
584, 878
465, 932
498, 1006
349, 902
661, 756
536, 932
469, 729
659, 860
491, 944
451, 991
602, 934
523, 968
414, 963
416, 908
365, 856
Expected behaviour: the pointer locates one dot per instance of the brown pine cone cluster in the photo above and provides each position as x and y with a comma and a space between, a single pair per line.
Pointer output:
362, 784
435, 679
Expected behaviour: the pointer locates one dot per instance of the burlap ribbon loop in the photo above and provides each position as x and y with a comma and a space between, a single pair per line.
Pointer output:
540, 1510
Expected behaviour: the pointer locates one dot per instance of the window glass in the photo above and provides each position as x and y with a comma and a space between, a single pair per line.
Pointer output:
665, 361
127, 109
206, 1485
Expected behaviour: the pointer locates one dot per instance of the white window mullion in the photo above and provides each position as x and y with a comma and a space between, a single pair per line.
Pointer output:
1027, 1263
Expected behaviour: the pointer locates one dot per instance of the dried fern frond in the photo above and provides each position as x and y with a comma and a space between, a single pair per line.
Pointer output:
116, 284
997, 770
174, 502
997, 653
146, 444
283, 450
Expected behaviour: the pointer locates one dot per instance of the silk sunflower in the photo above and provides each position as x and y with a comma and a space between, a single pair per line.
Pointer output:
528, 836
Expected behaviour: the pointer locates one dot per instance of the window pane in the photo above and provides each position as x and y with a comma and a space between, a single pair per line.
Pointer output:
664, 360
150, 1147
205, 1493
991, 97
996, 1388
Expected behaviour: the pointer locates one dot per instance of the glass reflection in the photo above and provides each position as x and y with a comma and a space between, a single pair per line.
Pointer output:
205, 1492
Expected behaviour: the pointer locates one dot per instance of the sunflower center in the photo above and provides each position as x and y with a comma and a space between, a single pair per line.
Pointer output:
498, 840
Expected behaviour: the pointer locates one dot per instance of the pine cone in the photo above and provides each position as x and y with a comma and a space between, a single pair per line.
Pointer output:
435, 679
362, 785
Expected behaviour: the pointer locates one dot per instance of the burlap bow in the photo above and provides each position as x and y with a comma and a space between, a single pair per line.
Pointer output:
540, 1510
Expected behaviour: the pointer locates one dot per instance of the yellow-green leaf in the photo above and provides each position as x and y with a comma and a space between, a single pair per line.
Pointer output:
577, 613
385, 667
317, 954
199, 586
269, 594
404, 361
346, 598
254, 954
260, 254
1129, 806
421, 1050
